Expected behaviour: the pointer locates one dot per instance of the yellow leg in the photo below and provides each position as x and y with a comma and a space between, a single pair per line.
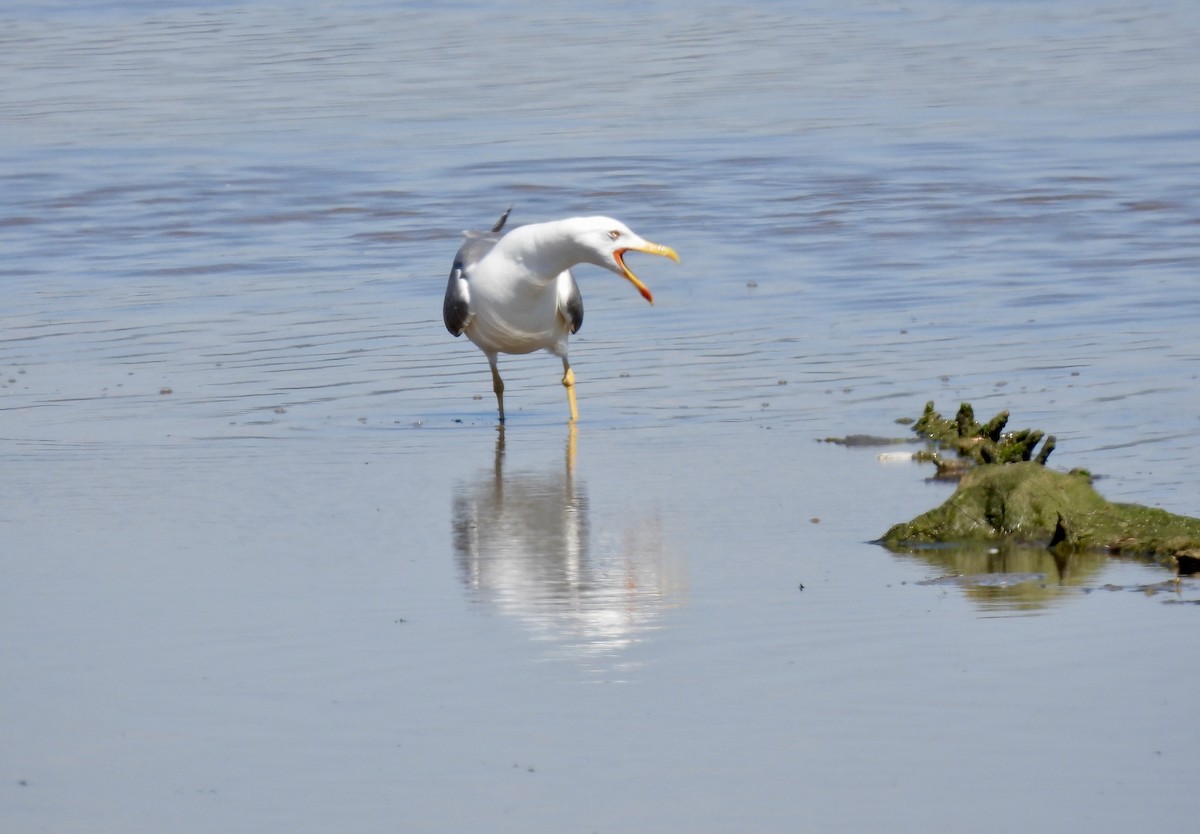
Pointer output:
497, 384
568, 382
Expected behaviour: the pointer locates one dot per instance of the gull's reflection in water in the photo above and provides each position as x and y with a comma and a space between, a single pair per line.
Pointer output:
525, 545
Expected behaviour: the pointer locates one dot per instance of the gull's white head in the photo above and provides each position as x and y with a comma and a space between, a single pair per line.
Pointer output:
604, 242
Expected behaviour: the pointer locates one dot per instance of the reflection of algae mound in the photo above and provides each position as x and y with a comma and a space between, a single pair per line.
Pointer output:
1011, 576
1027, 502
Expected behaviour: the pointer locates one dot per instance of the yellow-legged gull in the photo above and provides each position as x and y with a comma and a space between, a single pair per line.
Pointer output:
514, 293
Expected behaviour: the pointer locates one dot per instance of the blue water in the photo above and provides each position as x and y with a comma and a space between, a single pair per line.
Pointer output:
264, 561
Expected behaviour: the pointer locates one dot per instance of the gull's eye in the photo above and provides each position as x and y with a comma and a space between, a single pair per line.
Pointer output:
614, 234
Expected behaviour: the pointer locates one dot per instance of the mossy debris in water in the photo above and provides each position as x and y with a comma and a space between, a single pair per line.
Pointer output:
978, 443
1029, 503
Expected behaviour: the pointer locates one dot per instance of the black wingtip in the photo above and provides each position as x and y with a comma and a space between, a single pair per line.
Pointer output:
503, 219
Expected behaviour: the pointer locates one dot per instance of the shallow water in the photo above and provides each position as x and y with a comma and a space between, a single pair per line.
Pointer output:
266, 562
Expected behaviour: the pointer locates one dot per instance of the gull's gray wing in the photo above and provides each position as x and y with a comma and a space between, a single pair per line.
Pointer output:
456, 307
570, 304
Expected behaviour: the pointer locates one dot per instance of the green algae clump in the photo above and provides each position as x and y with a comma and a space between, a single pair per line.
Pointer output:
1026, 502
977, 443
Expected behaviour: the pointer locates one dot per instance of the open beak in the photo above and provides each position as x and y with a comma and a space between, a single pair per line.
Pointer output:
649, 249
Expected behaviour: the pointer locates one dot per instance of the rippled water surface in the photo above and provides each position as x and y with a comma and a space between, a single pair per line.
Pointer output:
266, 562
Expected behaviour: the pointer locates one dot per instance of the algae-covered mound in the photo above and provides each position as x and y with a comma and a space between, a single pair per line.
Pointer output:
1006, 493
1027, 502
